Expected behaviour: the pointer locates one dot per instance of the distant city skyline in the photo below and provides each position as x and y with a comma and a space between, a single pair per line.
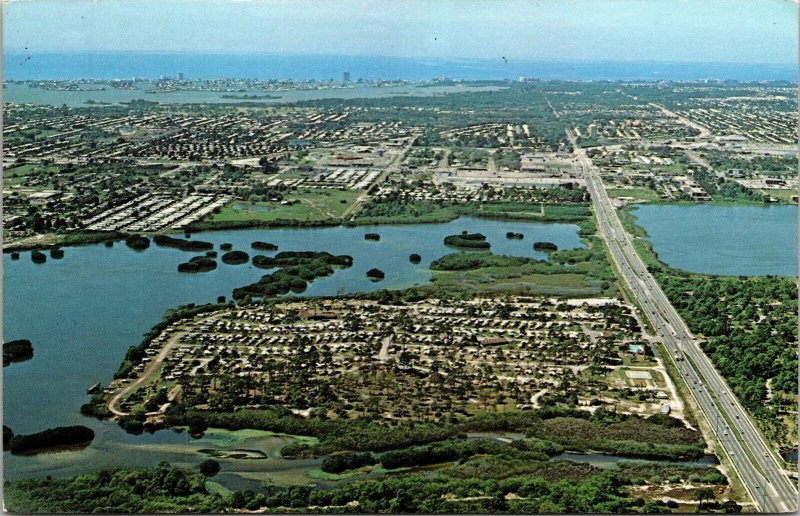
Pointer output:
724, 31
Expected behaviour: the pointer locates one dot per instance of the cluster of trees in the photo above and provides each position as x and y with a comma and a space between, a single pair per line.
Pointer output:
750, 326
508, 159
160, 489
17, 351
182, 244
468, 241
562, 205
723, 190
545, 246
137, 242
375, 274
601, 492
297, 269
639, 473
235, 257
51, 438
504, 486
198, 264
476, 260
654, 437
470, 157
450, 451
339, 462
38, 257
514, 236
372, 236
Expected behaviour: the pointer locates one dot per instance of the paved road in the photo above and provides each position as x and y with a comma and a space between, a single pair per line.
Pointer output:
704, 132
394, 166
759, 469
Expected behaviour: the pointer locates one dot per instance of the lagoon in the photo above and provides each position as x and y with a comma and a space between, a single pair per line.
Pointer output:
725, 240
83, 312
23, 93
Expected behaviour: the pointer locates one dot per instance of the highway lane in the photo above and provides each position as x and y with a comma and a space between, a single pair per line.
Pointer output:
757, 465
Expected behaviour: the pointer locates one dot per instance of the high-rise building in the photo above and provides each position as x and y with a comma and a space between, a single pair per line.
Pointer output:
346, 77
179, 76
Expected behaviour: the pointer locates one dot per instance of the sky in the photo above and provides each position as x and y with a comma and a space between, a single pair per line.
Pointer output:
729, 31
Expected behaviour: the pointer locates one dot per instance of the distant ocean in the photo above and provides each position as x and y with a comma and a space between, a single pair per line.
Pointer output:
24, 66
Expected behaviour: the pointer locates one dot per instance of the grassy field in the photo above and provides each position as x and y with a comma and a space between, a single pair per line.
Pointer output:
516, 280
29, 169
311, 205
641, 193
781, 195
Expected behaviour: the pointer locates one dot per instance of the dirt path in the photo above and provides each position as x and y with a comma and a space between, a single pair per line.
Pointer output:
126, 391
383, 354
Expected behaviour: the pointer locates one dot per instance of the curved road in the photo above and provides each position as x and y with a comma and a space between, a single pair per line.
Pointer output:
128, 389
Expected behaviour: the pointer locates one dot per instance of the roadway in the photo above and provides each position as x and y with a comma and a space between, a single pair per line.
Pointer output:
756, 464
394, 166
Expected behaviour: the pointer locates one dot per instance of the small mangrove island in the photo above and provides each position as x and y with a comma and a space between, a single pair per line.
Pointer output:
235, 257
296, 269
182, 244
38, 257
545, 246
137, 242
198, 264
375, 274
264, 246
17, 351
51, 438
468, 241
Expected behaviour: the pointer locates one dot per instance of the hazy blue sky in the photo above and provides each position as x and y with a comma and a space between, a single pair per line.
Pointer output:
762, 31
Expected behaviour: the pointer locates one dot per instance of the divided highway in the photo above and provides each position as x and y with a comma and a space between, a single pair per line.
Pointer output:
758, 467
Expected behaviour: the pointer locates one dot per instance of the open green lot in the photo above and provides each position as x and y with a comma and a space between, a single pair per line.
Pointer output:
306, 205
643, 194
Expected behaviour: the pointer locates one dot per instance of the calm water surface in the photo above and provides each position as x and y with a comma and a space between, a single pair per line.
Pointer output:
84, 311
728, 240
25, 94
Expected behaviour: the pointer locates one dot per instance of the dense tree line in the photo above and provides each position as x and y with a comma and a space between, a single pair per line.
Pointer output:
654, 437
161, 489
750, 326
482, 484
339, 462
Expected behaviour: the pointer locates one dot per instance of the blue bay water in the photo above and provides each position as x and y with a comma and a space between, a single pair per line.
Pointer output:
83, 312
727, 240
117, 65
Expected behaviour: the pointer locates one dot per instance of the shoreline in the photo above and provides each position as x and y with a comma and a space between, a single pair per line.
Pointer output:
81, 238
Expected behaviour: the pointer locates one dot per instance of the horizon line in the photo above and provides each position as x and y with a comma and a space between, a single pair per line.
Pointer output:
9, 51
